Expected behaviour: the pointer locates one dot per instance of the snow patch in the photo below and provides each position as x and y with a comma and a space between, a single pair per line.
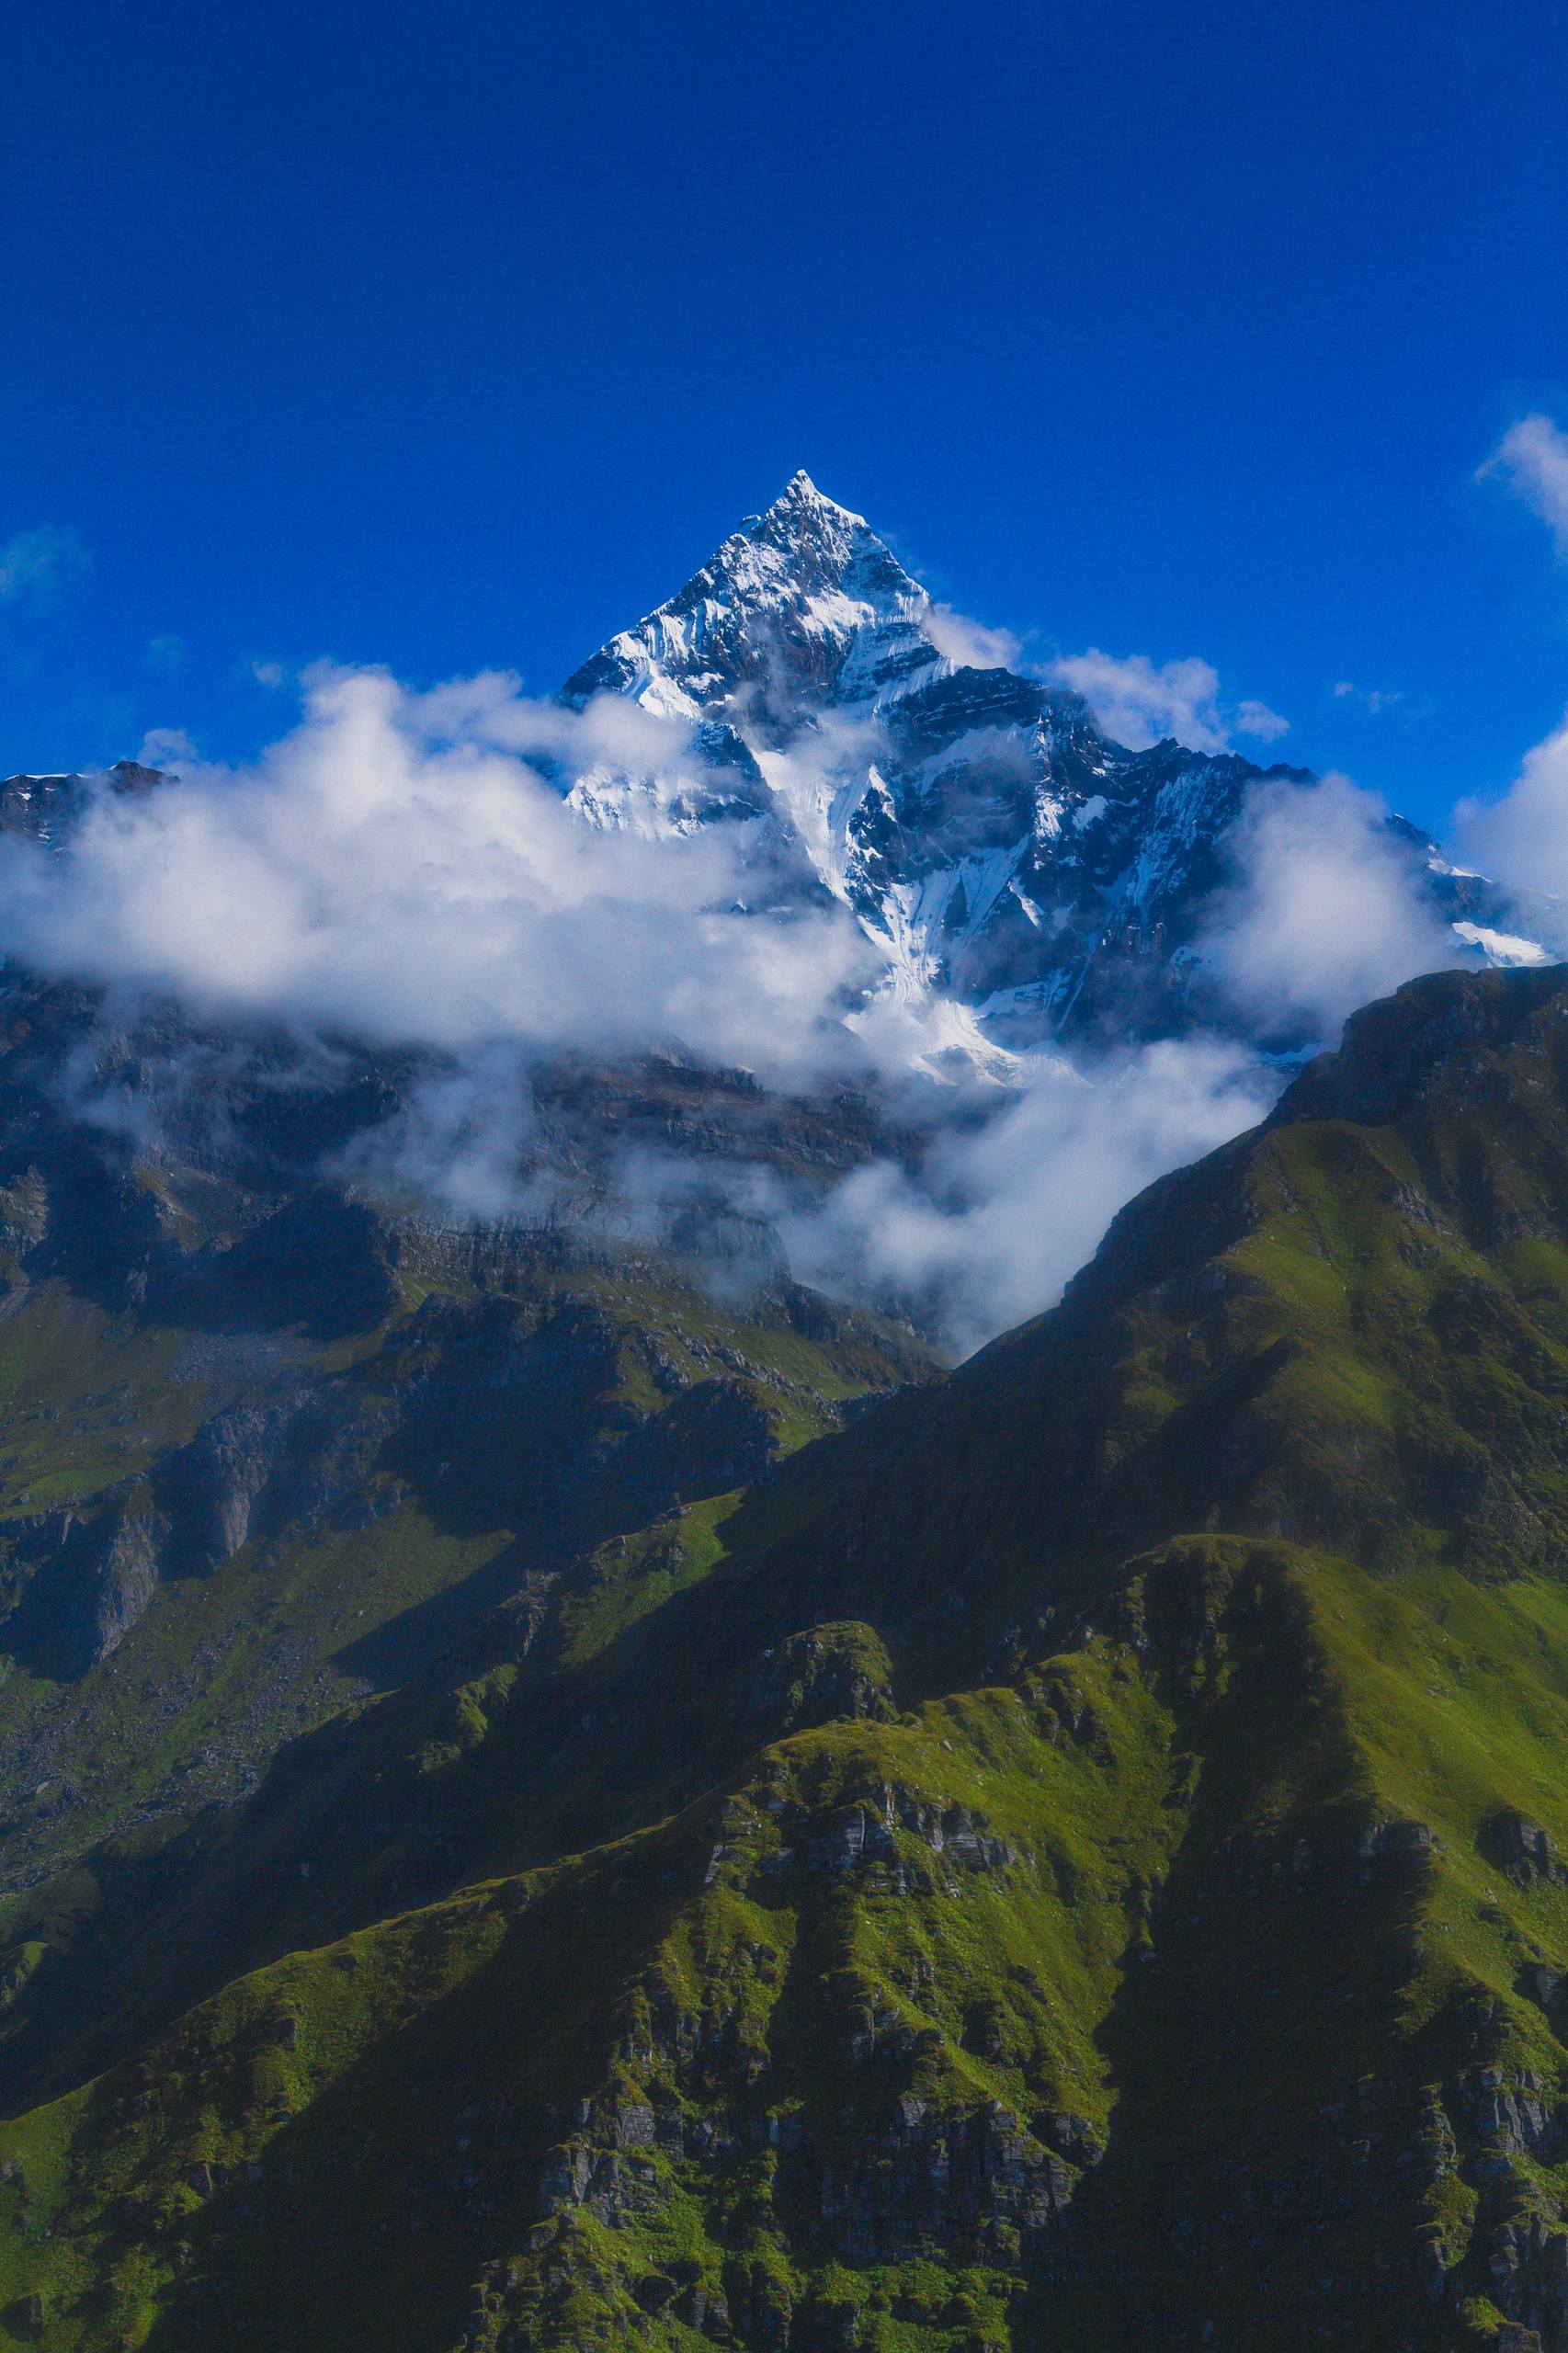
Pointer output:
1503, 949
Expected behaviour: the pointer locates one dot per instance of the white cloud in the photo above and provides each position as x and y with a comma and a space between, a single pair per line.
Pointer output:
1533, 458
1523, 838
1256, 720
167, 747
39, 569
970, 644
1138, 701
1374, 700
991, 1226
395, 869
459, 1140
1325, 912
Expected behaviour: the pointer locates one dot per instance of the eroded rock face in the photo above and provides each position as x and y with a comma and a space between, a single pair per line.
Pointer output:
47, 809
826, 1671
1527, 2263
1525, 1850
900, 2161
91, 1571
980, 2183
92, 1574
217, 1486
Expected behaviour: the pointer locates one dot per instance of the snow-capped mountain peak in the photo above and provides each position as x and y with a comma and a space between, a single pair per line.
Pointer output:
803, 607
801, 515
1013, 865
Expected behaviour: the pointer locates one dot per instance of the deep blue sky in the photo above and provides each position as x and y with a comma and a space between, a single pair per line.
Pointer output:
455, 335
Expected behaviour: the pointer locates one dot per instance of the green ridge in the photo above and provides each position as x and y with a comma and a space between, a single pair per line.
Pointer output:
1077, 1859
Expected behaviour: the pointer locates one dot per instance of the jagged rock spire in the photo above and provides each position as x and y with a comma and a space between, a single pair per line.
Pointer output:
1001, 854
802, 599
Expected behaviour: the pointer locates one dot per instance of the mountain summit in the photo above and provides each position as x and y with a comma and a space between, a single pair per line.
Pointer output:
997, 846
1021, 876
561, 1790
803, 609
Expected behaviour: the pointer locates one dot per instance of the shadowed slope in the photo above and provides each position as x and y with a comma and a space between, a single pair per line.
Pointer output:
1077, 1859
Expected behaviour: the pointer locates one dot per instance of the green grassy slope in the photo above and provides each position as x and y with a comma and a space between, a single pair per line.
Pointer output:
1077, 1860
434, 1494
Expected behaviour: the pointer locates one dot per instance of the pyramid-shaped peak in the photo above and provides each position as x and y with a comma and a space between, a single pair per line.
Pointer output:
801, 496
799, 607
806, 542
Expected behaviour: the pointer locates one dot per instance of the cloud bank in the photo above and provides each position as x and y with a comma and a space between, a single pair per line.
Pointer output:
406, 869
433, 870
1322, 914
396, 868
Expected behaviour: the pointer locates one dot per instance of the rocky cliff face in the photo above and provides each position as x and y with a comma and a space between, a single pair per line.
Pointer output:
44, 808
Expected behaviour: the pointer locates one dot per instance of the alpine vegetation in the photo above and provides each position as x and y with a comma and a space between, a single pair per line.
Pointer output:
543, 1722
784, 1333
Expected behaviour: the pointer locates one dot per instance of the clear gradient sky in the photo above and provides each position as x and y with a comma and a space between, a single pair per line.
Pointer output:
455, 335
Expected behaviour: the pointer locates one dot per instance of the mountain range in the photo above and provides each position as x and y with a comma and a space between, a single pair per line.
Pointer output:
1075, 1858
560, 1789
1001, 852
1019, 877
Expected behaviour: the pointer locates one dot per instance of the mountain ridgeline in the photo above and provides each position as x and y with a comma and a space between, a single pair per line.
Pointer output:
1016, 874
1000, 850
560, 1790
591, 1837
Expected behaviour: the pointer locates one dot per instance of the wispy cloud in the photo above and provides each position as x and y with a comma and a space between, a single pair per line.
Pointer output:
165, 654
1522, 837
991, 1223
970, 644
1532, 458
40, 568
1255, 718
1323, 912
1374, 700
1138, 701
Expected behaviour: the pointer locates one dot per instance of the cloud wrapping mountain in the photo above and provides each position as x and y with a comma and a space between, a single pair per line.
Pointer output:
804, 820
1320, 916
395, 869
